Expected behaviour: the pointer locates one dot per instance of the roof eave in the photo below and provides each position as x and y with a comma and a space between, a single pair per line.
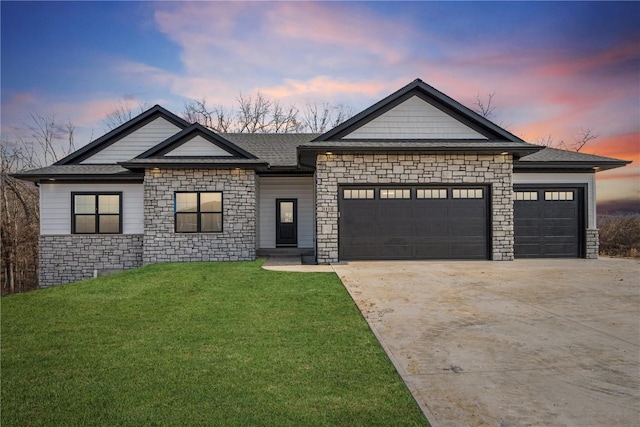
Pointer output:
587, 166
498, 149
134, 166
132, 176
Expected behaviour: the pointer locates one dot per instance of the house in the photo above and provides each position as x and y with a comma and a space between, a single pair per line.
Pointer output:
415, 176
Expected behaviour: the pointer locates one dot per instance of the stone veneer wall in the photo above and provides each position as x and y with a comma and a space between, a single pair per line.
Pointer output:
339, 169
235, 243
69, 258
593, 243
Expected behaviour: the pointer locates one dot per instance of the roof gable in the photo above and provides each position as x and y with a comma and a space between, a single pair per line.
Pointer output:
196, 141
418, 112
139, 133
414, 118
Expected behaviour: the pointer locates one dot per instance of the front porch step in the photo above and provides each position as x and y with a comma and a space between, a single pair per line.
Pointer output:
301, 255
284, 252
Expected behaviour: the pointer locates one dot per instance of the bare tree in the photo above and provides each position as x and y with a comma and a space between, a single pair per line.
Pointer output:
285, 120
319, 118
19, 220
217, 118
316, 117
252, 114
19, 210
485, 107
123, 112
51, 140
580, 140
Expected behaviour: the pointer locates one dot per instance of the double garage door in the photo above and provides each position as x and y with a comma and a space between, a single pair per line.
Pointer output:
453, 222
395, 222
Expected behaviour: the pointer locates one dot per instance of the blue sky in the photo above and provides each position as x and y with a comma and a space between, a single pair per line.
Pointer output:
556, 67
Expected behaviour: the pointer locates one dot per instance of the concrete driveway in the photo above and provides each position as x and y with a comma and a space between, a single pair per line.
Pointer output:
529, 342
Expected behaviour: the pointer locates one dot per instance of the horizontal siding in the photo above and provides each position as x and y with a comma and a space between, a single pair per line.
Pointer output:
198, 146
135, 143
55, 206
272, 188
565, 178
415, 119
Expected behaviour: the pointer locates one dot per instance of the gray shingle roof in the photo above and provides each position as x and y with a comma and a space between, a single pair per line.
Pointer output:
280, 150
552, 157
277, 149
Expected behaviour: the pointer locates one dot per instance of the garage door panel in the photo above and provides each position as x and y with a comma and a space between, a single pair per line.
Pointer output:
395, 252
396, 228
468, 211
548, 228
391, 211
361, 252
468, 251
432, 229
467, 230
559, 249
529, 250
431, 251
422, 210
414, 228
559, 212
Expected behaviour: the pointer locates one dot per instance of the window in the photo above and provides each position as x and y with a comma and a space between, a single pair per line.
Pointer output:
558, 195
199, 212
526, 195
431, 193
467, 193
96, 213
396, 193
361, 193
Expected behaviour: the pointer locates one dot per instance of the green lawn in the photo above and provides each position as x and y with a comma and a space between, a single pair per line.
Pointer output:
222, 344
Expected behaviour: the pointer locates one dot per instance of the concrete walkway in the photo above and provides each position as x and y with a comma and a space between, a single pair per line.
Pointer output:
294, 264
529, 342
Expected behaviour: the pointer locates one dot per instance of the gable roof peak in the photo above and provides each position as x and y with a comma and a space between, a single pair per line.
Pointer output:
426, 91
122, 130
186, 134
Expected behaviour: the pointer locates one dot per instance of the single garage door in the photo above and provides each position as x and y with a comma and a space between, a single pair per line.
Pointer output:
548, 222
396, 222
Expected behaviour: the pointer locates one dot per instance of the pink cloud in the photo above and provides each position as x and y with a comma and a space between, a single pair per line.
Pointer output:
324, 87
342, 27
579, 65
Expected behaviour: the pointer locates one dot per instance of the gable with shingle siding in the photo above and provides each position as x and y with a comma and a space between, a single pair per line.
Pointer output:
136, 142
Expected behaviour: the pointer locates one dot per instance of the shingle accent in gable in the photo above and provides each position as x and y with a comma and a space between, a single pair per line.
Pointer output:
122, 131
186, 134
431, 95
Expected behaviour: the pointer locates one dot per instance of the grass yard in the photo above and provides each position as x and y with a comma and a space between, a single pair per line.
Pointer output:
221, 344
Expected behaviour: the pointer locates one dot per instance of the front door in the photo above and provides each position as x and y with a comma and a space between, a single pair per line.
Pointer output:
286, 223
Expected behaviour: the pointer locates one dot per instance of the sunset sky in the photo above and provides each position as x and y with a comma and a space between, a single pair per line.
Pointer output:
556, 67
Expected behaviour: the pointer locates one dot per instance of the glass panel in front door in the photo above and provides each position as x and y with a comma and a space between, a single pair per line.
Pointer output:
286, 212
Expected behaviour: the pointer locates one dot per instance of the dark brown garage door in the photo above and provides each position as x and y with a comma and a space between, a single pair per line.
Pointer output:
395, 222
548, 222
